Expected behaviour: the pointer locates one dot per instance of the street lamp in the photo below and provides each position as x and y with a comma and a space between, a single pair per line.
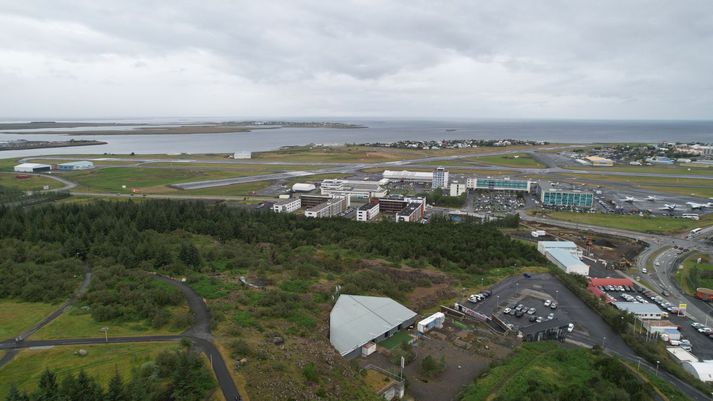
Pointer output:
556, 294
497, 301
106, 333
604, 339
657, 368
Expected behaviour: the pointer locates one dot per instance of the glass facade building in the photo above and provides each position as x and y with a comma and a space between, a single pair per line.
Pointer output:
502, 185
567, 198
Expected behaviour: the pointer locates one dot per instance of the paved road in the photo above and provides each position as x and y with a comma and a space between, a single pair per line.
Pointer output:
199, 333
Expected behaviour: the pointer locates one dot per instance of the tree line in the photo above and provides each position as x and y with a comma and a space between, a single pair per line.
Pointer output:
174, 376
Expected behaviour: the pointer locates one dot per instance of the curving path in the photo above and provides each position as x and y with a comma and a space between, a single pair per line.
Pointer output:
199, 333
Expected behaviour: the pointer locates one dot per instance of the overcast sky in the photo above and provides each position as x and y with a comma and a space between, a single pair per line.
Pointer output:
426, 59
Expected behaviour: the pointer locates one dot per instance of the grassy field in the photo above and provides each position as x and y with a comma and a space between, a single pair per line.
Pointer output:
552, 368
32, 183
518, 160
75, 324
101, 362
363, 154
672, 185
395, 340
654, 225
16, 317
680, 170
689, 283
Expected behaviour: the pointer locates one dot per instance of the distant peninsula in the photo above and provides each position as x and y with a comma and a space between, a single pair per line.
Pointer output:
22, 144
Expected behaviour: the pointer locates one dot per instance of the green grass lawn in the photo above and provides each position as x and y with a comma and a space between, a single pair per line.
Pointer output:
688, 283
16, 317
680, 169
672, 185
518, 160
654, 225
101, 362
76, 324
395, 340
31, 183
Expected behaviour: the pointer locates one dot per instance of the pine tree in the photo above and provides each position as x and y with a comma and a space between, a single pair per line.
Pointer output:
47, 389
116, 390
16, 395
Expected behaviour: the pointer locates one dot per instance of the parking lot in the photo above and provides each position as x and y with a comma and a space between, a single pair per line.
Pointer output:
531, 291
494, 202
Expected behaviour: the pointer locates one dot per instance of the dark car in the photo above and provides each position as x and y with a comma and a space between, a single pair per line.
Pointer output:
533, 318
527, 275
519, 313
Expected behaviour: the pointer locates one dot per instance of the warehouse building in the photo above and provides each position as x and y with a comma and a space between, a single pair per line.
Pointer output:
702, 370
440, 178
408, 176
330, 208
32, 168
287, 205
565, 255
411, 213
367, 212
597, 161
499, 184
353, 188
641, 311
356, 322
572, 198
303, 187
78, 165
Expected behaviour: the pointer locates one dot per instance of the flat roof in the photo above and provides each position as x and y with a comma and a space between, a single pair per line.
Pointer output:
34, 165
542, 326
565, 257
557, 244
637, 308
611, 281
367, 206
356, 320
409, 209
77, 163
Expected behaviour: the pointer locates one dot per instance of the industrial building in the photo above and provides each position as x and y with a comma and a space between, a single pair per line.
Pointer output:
457, 189
408, 176
367, 212
330, 208
412, 212
242, 155
660, 160
356, 322
499, 184
353, 188
78, 165
287, 205
440, 178
702, 370
561, 197
32, 168
597, 161
565, 255
642, 311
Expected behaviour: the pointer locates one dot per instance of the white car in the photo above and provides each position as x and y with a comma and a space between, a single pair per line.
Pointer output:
643, 270
570, 327
550, 316
548, 302
553, 305
506, 311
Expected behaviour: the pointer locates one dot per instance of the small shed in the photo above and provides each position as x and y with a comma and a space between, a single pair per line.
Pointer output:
434, 321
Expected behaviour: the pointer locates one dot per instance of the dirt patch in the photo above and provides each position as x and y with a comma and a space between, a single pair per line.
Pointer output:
427, 297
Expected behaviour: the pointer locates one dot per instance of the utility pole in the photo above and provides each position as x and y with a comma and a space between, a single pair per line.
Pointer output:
106, 333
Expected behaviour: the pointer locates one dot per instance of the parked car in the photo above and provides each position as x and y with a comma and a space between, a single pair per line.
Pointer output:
539, 319
519, 313
531, 311
506, 311
553, 305
548, 302
570, 327
533, 318
550, 316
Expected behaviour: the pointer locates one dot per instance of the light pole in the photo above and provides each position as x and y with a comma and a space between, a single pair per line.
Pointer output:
556, 295
497, 302
106, 333
657, 368
604, 339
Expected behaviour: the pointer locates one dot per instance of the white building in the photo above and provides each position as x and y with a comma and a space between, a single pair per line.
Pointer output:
329, 208
702, 370
303, 187
642, 311
457, 189
287, 205
405, 175
242, 155
78, 165
356, 321
413, 212
434, 321
32, 168
367, 212
440, 178
352, 188
565, 255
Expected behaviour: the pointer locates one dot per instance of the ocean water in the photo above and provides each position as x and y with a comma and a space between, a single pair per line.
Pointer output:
561, 131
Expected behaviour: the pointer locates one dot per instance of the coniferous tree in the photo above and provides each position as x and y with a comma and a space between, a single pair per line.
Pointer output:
47, 388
